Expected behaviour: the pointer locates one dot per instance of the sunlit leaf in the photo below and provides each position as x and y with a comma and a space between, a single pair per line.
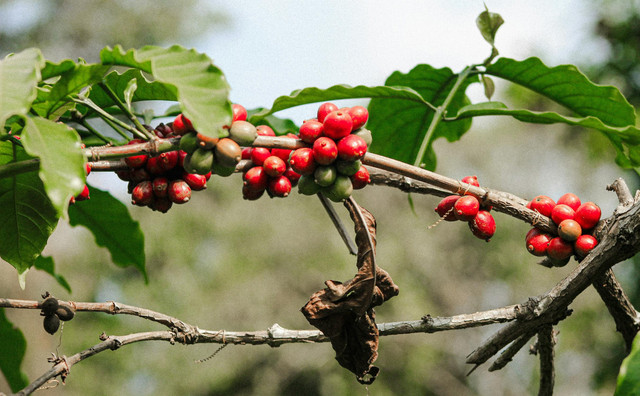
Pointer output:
336, 92
12, 348
61, 160
281, 126
27, 216
567, 86
19, 77
145, 89
111, 224
399, 126
202, 89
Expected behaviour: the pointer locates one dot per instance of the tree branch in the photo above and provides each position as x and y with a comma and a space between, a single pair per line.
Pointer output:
546, 343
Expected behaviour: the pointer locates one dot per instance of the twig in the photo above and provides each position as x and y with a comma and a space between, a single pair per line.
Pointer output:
508, 354
335, 219
546, 343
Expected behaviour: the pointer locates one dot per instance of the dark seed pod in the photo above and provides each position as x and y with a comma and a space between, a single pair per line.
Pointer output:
65, 312
51, 324
49, 305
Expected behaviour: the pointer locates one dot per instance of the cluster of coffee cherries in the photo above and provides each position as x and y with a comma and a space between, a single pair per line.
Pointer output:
54, 311
575, 221
160, 181
337, 141
269, 170
468, 208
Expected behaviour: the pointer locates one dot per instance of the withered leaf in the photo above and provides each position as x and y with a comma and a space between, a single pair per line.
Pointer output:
344, 311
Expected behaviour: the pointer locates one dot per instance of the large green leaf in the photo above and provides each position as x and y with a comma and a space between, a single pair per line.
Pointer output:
399, 125
19, 77
27, 216
629, 376
336, 92
51, 69
72, 82
47, 265
566, 85
281, 126
146, 90
111, 224
61, 160
202, 89
12, 348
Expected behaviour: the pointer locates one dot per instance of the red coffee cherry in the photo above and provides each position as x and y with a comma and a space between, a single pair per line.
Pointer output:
179, 191
153, 166
542, 204
274, 166
588, 215
279, 186
569, 230
284, 154
361, 178
310, 130
302, 161
160, 186
337, 124
182, 125
359, 116
168, 160
292, 176
325, 151
538, 243
239, 113
195, 181
259, 155
466, 208
251, 195
584, 244
562, 212
569, 199
256, 179
161, 204
325, 109
351, 148
136, 161
246, 153
559, 249
483, 225
265, 130
84, 194
473, 180
142, 193
445, 208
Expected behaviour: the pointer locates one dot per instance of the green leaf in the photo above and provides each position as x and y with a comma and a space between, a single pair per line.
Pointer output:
281, 126
47, 265
112, 226
336, 92
625, 140
629, 376
55, 69
399, 125
72, 82
567, 86
488, 24
12, 349
26, 214
61, 160
146, 90
19, 77
202, 89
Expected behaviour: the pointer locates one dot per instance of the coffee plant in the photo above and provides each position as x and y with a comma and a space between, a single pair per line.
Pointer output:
49, 143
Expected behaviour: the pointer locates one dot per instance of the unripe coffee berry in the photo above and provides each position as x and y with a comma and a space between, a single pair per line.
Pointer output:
569, 230
325, 151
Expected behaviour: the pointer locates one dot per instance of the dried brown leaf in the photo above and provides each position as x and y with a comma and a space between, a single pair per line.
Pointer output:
344, 311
